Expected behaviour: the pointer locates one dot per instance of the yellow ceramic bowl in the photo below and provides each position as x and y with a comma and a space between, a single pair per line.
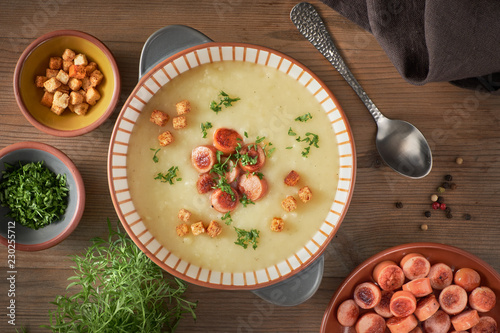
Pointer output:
34, 61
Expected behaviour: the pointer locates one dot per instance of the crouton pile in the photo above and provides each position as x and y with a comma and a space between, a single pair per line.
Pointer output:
289, 204
70, 82
213, 229
161, 119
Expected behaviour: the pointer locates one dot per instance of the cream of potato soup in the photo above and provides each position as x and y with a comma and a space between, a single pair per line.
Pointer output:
269, 102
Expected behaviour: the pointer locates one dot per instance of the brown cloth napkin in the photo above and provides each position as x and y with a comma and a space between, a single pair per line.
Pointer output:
434, 40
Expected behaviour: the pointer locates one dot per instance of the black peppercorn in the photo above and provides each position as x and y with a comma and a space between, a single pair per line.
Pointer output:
448, 178
467, 216
449, 215
447, 210
427, 213
446, 185
440, 199
399, 204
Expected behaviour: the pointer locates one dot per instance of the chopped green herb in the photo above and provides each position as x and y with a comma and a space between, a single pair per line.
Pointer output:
246, 237
259, 174
304, 118
247, 160
269, 151
245, 201
312, 139
259, 139
117, 288
35, 195
289, 147
227, 218
291, 133
225, 187
155, 157
204, 127
169, 176
224, 100
245, 134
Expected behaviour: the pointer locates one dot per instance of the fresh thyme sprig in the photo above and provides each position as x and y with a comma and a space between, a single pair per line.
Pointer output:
117, 288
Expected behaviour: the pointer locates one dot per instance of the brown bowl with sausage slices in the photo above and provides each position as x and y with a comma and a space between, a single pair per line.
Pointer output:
417, 287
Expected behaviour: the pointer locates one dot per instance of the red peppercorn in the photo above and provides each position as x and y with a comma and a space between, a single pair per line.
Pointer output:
436, 205
443, 206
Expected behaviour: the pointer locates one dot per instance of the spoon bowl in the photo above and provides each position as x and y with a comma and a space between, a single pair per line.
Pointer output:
400, 144
403, 147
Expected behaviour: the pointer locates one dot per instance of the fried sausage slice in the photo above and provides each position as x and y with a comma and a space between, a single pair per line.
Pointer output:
203, 158
226, 140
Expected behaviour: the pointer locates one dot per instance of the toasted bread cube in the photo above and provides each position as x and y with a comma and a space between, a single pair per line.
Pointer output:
74, 83
50, 73
86, 83
183, 107
57, 109
55, 63
198, 228
68, 55
64, 88
292, 178
77, 71
289, 204
62, 76
158, 117
40, 80
92, 96
80, 109
76, 98
60, 99
52, 84
305, 194
184, 215
66, 65
82, 92
165, 138
179, 122
96, 78
47, 99
277, 224
182, 229
80, 60
92, 66
214, 229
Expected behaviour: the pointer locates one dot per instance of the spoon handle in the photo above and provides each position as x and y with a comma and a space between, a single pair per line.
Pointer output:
309, 23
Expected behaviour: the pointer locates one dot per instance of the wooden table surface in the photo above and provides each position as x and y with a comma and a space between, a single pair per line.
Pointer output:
456, 122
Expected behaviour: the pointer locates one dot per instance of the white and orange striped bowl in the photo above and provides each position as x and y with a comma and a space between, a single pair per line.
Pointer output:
161, 75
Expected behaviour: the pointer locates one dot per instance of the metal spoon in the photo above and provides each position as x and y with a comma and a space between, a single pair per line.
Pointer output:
400, 144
